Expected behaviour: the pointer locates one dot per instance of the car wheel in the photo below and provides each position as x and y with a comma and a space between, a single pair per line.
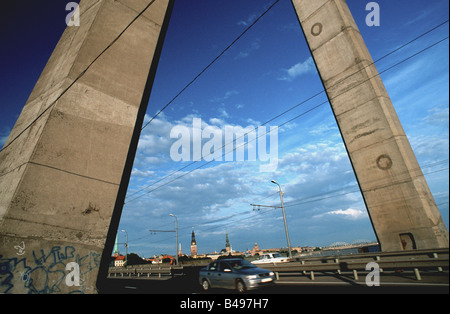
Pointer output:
205, 285
240, 286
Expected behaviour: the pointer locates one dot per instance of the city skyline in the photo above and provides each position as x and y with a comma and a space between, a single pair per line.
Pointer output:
251, 250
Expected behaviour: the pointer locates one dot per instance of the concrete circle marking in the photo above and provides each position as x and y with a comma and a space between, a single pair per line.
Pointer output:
316, 29
384, 162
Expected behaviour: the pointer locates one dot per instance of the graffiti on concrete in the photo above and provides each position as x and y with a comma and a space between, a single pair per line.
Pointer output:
20, 248
48, 271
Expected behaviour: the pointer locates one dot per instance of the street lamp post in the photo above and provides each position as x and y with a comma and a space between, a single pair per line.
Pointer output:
176, 237
126, 247
284, 217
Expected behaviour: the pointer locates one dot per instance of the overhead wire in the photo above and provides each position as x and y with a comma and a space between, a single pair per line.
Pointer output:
330, 194
195, 78
288, 121
362, 69
303, 102
212, 221
211, 63
79, 76
296, 202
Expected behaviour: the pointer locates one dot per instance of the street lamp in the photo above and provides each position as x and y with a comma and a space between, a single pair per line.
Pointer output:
126, 247
284, 217
176, 236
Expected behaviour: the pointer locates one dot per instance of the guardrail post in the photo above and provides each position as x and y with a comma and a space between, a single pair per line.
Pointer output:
336, 260
355, 274
435, 255
312, 275
378, 258
417, 273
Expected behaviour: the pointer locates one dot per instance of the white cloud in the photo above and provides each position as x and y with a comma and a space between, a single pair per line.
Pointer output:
247, 21
324, 129
218, 122
426, 146
349, 213
226, 96
142, 173
298, 69
437, 116
223, 113
255, 45
253, 123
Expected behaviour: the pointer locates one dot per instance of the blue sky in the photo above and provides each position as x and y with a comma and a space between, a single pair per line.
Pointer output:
266, 72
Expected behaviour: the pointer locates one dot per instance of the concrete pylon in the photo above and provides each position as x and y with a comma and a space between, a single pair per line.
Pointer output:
400, 205
63, 163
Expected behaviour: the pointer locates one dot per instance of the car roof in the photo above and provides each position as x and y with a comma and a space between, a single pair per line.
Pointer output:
228, 259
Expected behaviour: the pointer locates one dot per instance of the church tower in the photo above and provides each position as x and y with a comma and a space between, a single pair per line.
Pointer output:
116, 252
193, 245
227, 245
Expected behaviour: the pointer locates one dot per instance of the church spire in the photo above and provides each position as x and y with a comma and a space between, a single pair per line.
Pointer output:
193, 244
193, 237
116, 247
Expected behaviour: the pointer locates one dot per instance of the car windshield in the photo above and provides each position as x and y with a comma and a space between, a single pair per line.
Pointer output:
240, 264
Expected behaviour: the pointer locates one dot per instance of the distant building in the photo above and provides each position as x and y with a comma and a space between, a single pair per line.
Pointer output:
119, 261
304, 249
213, 256
228, 250
255, 250
193, 245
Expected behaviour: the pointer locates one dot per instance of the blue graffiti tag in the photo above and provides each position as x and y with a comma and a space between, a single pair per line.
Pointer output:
44, 271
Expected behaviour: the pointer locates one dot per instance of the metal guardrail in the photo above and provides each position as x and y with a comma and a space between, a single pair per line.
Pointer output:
143, 271
377, 255
416, 260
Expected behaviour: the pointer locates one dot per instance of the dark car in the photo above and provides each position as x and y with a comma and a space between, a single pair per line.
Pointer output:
235, 273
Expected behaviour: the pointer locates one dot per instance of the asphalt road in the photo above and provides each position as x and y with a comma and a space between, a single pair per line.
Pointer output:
432, 282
